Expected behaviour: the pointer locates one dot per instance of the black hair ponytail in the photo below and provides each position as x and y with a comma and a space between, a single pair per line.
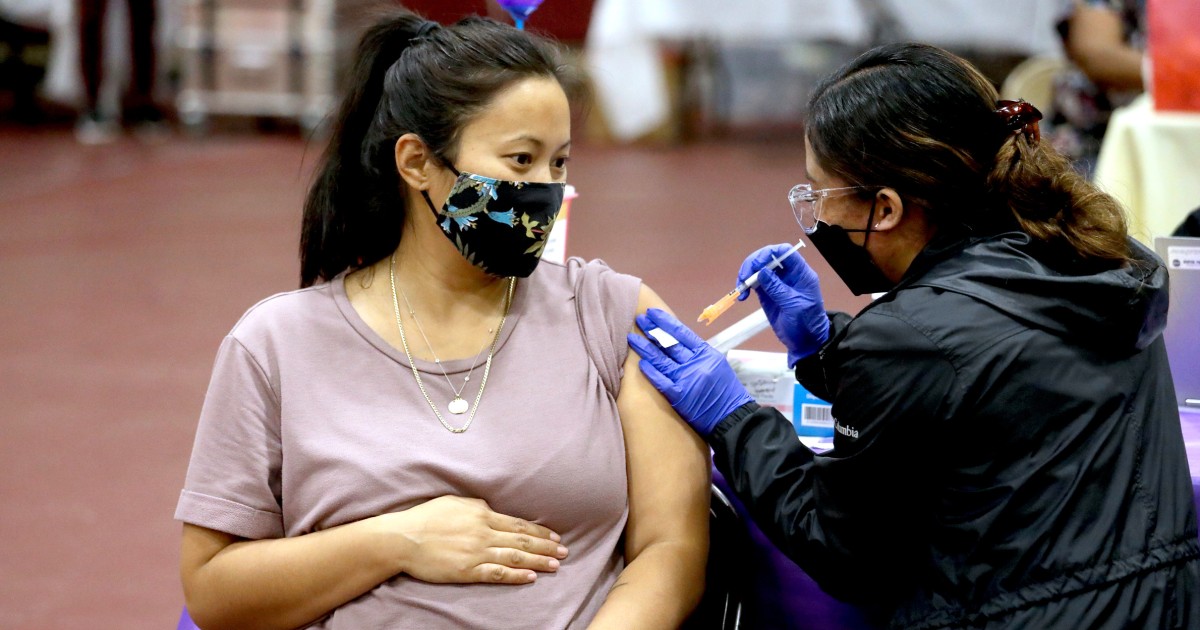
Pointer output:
342, 205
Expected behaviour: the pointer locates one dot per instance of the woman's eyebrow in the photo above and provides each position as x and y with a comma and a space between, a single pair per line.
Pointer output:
537, 142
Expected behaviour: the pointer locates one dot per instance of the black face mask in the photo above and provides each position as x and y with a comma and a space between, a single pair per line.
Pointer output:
499, 226
851, 262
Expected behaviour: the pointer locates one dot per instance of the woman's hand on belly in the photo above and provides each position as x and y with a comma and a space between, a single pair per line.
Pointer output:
457, 540
290, 582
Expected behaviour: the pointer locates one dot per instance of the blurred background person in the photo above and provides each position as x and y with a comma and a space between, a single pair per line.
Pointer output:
138, 108
1105, 40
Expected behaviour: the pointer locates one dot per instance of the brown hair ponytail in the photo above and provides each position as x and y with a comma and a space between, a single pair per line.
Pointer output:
1055, 204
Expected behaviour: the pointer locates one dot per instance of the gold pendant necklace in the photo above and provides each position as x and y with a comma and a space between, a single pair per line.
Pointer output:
458, 406
457, 403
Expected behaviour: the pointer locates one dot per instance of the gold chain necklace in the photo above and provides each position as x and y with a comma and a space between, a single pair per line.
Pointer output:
417, 375
457, 405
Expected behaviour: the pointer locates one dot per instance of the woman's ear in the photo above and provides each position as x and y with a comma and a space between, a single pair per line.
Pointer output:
889, 210
414, 161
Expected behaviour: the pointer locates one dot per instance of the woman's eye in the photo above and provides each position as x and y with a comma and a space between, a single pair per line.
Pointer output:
561, 162
523, 159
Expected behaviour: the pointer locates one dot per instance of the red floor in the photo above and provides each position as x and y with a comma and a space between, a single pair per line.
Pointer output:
121, 267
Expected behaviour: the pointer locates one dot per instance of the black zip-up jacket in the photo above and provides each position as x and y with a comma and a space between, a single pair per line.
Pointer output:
1008, 450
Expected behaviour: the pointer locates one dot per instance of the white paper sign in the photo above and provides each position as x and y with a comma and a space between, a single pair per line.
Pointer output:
556, 242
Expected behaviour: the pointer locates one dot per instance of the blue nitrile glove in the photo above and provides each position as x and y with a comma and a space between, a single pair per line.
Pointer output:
696, 379
790, 295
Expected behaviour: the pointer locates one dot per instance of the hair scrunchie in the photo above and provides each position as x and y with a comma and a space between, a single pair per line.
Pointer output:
427, 27
1020, 116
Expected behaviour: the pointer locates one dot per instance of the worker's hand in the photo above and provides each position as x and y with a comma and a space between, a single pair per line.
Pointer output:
693, 377
790, 295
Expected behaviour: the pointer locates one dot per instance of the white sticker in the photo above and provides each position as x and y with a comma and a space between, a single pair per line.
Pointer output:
662, 337
1179, 257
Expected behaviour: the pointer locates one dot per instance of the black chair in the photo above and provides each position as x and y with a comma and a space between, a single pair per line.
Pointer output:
23, 51
725, 577
1190, 225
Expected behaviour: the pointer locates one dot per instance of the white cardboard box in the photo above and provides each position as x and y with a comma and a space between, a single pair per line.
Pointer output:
766, 376
770, 382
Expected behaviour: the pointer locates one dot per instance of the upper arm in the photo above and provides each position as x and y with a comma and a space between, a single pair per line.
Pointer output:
890, 376
1093, 28
668, 464
856, 524
234, 478
895, 388
1097, 43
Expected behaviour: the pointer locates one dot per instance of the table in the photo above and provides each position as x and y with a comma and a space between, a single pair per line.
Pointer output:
1190, 418
1148, 161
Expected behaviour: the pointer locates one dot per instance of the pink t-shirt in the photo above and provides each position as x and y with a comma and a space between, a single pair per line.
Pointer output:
312, 420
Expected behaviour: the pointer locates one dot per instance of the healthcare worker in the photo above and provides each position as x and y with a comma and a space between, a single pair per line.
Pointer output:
1008, 451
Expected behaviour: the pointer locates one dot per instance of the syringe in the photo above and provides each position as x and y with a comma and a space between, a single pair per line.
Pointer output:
710, 314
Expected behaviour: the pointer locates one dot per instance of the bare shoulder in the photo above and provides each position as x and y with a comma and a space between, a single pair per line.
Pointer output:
647, 299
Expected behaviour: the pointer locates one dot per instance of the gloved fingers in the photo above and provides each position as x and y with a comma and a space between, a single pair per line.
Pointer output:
652, 353
795, 271
801, 299
775, 290
759, 259
663, 384
677, 351
675, 328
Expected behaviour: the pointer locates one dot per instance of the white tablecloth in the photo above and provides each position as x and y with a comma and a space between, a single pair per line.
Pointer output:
1024, 27
624, 61
1149, 161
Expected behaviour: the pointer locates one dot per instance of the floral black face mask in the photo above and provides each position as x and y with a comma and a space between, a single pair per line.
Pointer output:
498, 225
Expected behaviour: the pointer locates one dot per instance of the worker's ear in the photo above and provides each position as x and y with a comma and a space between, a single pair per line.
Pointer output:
889, 210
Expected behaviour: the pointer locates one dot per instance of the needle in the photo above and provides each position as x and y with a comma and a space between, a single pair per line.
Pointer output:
710, 314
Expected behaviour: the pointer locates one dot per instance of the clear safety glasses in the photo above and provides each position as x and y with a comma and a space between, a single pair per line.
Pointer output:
806, 203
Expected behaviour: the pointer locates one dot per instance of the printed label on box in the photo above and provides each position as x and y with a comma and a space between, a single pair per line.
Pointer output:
1179, 257
820, 415
815, 417
766, 376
